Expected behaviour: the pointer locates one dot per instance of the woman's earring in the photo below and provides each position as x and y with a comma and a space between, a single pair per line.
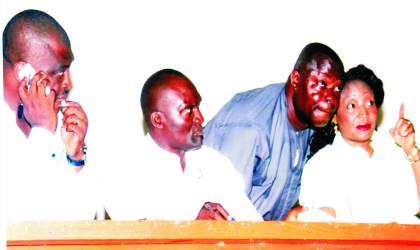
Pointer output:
335, 126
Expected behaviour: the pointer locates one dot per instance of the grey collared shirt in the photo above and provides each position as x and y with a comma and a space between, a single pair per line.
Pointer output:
253, 131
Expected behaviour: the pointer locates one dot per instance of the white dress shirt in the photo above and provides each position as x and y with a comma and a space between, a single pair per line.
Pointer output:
156, 188
361, 189
37, 183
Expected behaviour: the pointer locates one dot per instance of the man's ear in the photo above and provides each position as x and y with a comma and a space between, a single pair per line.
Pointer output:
156, 120
17, 68
294, 79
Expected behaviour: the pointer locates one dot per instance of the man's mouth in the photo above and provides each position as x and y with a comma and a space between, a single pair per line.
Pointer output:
199, 132
325, 107
325, 111
364, 127
63, 95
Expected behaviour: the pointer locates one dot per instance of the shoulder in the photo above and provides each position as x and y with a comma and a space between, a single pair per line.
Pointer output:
211, 158
246, 106
268, 92
387, 151
252, 111
321, 161
256, 99
236, 138
208, 154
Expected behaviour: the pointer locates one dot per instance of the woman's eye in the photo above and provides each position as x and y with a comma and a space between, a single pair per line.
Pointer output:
338, 88
370, 103
188, 111
350, 106
60, 73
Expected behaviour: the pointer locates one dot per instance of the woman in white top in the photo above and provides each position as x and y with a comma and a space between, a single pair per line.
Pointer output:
362, 177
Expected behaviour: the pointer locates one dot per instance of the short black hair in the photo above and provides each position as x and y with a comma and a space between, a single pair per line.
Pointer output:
367, 76
157, 80
314, 49
27, 25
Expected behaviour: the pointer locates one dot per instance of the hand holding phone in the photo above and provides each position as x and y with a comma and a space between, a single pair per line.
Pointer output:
28, 71
39, 109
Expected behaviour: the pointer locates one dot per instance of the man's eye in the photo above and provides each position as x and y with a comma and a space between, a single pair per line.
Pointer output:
188, 111
370, 103
321, 84
338, 88
60, 73
351, 106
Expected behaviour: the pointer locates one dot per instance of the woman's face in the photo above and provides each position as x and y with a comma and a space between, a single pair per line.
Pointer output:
357, 113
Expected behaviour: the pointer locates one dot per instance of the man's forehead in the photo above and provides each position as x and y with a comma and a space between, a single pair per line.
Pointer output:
320, 62
58, 47
182, 86
51, 53
179, 90
323, 65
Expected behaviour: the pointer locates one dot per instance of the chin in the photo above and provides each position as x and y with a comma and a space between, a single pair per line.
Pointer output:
321, 120
196, 143
365, 136
193, 148
319, 123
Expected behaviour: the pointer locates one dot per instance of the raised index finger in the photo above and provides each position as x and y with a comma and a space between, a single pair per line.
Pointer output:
402, 111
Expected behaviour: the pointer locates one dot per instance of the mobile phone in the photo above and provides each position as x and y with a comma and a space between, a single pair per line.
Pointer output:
27, 71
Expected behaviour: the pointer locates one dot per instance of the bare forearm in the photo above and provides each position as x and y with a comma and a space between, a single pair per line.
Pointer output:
416, 170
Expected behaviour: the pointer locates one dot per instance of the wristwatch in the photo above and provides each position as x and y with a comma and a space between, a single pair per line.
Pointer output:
79, 163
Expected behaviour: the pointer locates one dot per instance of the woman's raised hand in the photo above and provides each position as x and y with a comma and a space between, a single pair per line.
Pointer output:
403, 133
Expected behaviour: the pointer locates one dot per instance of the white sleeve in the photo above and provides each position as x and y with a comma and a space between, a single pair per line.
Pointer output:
317, 184
235, 201
40, 149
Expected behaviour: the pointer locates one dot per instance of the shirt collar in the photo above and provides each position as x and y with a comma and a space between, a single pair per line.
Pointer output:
283, 104
150, 144
339, 142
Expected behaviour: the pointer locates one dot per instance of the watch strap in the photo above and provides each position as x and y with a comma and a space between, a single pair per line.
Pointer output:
79, 163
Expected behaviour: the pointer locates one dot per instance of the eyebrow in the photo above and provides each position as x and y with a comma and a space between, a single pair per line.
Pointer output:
355, 95
61, 68
65, 67
324, 74
184, 105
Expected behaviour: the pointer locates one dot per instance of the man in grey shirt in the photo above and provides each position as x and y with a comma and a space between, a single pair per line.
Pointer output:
266, 132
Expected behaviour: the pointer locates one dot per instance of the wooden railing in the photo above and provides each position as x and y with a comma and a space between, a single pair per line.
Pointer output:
208, 235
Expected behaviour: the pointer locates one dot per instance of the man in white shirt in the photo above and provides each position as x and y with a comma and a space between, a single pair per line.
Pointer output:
43, 168
177, 178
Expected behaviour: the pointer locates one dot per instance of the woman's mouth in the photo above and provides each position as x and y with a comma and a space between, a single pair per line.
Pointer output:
363, 127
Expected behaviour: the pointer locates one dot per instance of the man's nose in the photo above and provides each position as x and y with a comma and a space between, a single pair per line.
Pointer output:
62, 86
331, 96
66, 83
198, 116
